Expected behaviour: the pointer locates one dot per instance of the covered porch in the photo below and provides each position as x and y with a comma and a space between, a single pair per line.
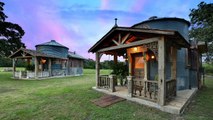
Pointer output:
151, 57
38, 65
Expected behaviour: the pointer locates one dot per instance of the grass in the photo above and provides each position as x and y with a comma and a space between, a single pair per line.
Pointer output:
69, 98
201, 107
17, 68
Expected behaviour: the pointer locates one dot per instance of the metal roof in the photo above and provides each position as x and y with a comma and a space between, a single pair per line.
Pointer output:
162, 19
52, 43
74, 55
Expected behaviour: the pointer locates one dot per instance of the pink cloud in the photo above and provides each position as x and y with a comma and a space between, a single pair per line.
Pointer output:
104, 4
138, 5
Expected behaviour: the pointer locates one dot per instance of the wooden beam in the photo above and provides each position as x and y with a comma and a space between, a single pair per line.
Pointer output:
115, 42
125, 38
140, 42
161, 72
163, 32
23, 57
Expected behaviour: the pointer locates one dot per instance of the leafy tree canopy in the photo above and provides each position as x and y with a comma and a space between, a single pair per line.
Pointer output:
202, 25
10, 35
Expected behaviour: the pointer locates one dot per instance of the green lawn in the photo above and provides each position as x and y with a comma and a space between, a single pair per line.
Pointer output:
69, 98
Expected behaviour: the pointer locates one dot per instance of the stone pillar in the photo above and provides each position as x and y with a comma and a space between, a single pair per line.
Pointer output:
36, 67
50, 66
112, 85
130, 85
14, 67
97, 69
161, 72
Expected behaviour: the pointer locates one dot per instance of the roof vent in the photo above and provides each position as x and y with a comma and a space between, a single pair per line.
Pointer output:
153, 17
116, 22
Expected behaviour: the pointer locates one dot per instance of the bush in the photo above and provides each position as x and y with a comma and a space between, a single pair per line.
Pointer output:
208, 68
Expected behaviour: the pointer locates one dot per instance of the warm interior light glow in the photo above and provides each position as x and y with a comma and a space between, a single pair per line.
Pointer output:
43, 61
147, 57
153, 57
135, 48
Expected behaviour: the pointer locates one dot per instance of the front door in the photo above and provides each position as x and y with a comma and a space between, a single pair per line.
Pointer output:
138, 65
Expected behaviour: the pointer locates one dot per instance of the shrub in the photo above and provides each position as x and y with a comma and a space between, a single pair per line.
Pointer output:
208, 68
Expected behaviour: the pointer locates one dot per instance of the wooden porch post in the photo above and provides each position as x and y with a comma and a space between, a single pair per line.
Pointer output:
36, 68
174, 66
145, 69
161, 72
14, 67
115, 58
50, 67
97, 69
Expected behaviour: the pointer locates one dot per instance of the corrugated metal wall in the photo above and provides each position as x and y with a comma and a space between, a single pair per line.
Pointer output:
53, 50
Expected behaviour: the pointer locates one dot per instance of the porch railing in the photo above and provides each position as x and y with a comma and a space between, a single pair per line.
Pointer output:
151, 89
147, 89
31, 74
104, 81
170, 88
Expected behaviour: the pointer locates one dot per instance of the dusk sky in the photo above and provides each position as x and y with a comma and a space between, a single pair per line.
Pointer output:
79, 24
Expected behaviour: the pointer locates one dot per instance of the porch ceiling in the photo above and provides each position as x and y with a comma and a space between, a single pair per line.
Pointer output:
121, 37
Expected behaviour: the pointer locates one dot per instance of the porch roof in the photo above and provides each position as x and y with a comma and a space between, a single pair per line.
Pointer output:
138, 34
28, 53
75, 55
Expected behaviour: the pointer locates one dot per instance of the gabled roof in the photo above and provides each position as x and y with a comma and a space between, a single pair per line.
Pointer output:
24, 53
74, 55
138, 31
51, 43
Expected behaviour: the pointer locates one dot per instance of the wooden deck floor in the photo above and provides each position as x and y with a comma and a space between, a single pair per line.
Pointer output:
175, 106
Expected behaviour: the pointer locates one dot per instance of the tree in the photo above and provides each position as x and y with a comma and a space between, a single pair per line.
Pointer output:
89, 64
2, 15
202, 25
10, 35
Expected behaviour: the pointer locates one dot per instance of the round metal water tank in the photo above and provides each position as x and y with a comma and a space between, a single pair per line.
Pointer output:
166, 23
53, 48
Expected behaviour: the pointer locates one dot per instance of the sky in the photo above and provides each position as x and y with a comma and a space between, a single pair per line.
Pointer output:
79, 24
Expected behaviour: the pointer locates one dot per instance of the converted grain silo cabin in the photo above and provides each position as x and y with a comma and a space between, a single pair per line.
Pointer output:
50, 59
164, 66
